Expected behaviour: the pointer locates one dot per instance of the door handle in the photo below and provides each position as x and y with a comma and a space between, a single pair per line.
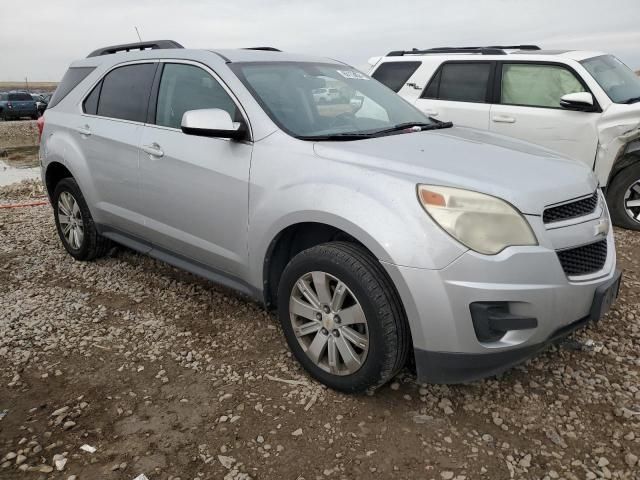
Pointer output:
503, 119
84, 130
431, 113
154, 150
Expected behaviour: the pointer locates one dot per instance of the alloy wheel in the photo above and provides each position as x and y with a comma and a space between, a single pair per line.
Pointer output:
329, 323
632, 201
70, 219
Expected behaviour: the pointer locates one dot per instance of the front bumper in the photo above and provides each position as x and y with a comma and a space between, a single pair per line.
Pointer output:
448, 367
529, 280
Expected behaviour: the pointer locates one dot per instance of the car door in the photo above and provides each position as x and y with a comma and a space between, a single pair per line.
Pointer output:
109, 134
194, 188
459, 92
528, 107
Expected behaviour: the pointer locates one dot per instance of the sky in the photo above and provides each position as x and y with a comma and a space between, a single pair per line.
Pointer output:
39, 38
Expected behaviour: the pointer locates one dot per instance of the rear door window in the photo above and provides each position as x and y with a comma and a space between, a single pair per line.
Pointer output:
536, 85
460, 82
187, 87
20, 97
70, 81
395, 74
125, 92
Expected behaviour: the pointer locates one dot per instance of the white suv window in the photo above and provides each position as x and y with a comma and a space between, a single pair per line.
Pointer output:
395, 74
460, 82
536, 85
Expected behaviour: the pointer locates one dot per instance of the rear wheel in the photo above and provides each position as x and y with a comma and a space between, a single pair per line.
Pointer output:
342, 317
623, 197
74, 223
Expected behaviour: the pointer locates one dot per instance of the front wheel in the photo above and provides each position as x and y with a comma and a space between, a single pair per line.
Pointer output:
342, 317
623, 197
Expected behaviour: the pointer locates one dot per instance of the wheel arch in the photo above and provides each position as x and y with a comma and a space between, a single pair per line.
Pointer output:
55, 172
296, 237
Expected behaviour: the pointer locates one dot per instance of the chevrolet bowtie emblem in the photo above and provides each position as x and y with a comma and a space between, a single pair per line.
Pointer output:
601, 228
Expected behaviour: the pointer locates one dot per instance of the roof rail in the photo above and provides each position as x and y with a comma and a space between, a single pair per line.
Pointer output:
491, 50
264, 49
127, 47
516, 47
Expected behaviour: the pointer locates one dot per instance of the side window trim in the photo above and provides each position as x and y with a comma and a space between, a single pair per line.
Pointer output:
498, 83
100, 82
151, 113
437, 76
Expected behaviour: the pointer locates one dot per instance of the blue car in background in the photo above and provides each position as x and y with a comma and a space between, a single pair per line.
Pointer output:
15, 105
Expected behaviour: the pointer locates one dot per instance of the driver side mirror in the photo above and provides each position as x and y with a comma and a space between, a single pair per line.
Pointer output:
212, 122
579, 101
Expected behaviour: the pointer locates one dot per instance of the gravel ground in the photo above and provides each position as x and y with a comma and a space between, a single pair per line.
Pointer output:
171, 376
18, 133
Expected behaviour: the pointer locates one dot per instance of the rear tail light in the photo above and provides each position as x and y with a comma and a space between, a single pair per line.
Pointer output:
40, 124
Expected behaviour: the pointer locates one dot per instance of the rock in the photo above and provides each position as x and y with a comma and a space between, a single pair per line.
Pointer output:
226, 462
68, 425
525, 462
60, 411
60, 463
20, 459
631, 459
603, 462
447, 475
297, 433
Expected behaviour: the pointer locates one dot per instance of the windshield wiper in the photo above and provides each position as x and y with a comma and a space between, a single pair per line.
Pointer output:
414, 125
347, 136
632, 100
343, 137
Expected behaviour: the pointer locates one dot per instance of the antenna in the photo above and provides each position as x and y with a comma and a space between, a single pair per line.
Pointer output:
138, 33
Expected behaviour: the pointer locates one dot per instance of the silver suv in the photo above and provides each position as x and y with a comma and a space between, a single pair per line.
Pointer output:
377, 233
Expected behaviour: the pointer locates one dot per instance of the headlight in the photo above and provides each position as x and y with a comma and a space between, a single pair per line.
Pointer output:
483, 223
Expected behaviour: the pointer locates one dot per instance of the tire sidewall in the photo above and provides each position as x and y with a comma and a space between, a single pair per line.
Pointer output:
70, 186
615, 196
370, 372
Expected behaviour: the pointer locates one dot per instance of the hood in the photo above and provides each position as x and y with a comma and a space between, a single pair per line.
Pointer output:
525, 175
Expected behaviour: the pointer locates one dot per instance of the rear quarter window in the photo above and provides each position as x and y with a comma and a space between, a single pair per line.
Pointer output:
395, 74
70, 81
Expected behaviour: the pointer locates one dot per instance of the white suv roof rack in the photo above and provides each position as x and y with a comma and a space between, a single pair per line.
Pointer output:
490, 50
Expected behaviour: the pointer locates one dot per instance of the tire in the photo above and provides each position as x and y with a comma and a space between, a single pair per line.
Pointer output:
91, 245
618, 190
367, 286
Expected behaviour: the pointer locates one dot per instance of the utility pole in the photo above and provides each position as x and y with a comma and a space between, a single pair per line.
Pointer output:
26, 80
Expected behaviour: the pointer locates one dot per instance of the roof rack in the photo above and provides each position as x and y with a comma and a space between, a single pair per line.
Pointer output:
264, 49
127, 47
491, 50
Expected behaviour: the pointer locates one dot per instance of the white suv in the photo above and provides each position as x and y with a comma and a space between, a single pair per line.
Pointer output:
585, 105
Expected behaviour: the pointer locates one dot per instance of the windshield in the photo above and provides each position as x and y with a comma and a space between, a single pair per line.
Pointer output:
317, 100
615, 78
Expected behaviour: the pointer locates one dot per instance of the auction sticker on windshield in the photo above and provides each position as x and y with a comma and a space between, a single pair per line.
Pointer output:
353, 74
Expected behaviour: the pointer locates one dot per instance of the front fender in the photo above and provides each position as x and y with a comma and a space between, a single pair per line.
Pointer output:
382, 213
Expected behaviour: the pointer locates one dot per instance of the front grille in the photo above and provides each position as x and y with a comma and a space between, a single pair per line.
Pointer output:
583, 260
579, 208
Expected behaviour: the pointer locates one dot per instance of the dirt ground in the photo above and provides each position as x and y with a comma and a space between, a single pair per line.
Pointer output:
171, 376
